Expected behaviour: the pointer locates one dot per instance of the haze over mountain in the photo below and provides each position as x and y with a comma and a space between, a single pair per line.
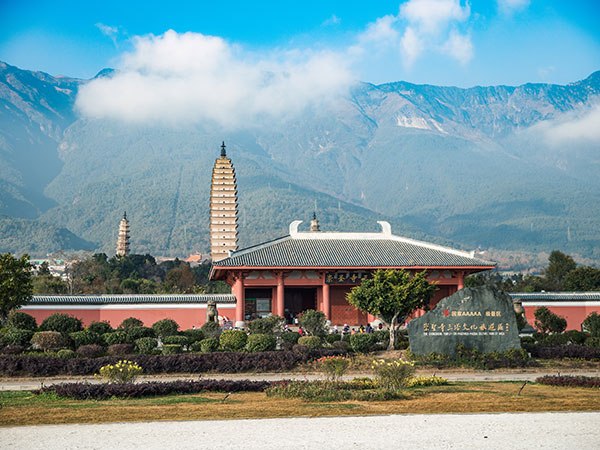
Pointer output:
510, 168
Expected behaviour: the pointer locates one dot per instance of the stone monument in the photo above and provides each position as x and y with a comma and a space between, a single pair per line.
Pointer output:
211, 312
481, 318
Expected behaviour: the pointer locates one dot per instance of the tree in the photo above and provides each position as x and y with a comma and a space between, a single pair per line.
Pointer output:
16, 283
548, 322
392, 296
314, 322
583, 278
559, 265
591, 324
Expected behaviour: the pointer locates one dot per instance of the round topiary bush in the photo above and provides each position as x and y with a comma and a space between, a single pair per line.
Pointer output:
116, 337
146, 345
196, 346
382, 336
100, 327
165, 327
120, 349
86, 337
90, 351
130, 322
135, 333
233, 340
15, 336
194, 335
312, 342
290, 337
261, 343
49, 340
209, 345
176, 340
341, 345
63, 323
21, 320
331, 338
362, 342
66, 353
211, 329
171, 349
301, 350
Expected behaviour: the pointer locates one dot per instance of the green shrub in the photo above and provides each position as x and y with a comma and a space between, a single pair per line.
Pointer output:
341, 345
194, 335
49, 340
21, 321
382, 336
334, 367
312, 342
120, 349
548, 322
266, 325
146, 345
290, 337
211, 329
393, 375
171, 349
314, 322
331, 338
130, 322
593, 342
576, 337
261, 343
135, 333
15, 336
116, 337
176, 340
427, 381
591, 324
196, 346
550, 340
122, 372
401, 344
165, 327
233, 340
90, 351
63, 323
12, 350
100, 327
527, 340
86, 337
66, 353
362, 342
301, 350
209, 345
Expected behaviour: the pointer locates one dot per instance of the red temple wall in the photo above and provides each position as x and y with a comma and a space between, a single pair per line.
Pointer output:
575, 314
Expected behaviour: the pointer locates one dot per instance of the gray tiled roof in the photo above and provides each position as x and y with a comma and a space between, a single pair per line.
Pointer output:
292, 252
556, 296
126, 299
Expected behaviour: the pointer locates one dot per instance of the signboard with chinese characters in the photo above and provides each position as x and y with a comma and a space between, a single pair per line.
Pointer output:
345, 277
479, 318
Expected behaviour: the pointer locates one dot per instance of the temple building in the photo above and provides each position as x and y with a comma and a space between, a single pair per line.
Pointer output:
316, 269
223, 208
123, 239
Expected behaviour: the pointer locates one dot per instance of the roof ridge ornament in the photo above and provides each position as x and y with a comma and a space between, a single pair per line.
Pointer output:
294, 228
386, 228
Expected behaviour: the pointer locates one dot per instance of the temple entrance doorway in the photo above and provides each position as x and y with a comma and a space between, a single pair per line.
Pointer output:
298, 300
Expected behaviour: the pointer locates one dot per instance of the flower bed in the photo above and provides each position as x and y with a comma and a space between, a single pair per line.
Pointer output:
220, 362
330, 391
87, 391
567, 380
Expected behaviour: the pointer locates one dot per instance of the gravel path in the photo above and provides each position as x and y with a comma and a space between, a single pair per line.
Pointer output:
538, 431
24, 384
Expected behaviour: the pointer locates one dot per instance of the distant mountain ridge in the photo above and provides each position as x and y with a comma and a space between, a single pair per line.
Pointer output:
464, 167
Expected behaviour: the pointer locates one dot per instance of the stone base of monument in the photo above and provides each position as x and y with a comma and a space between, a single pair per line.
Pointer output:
480, 318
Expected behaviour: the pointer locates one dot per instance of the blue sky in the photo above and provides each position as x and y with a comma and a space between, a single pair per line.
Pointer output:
480, 43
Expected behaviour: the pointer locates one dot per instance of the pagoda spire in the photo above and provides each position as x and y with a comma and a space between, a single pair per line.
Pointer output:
223, 153
314, 223
123, 239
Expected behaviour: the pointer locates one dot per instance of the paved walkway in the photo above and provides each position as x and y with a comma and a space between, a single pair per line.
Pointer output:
505, 431
25, 384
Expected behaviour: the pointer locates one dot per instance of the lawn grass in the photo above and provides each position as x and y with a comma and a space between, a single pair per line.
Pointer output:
24, 408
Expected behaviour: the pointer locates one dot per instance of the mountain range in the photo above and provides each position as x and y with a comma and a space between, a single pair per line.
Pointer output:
491, 168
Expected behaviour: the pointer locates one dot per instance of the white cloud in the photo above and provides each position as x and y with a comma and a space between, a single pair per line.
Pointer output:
459, 46
411, 46
332, 21
575, 127
192, 78
381, 32
509, 6
109, 31
433, 16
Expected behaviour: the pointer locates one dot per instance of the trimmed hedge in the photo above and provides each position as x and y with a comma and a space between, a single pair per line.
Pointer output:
90, 351
86, 337
15, 336
120, 349
261, 343
219, 362
176, 340
233, 340
63, 323
362, 342
100, 327
21, 320
87, 391
209, 345
171, 349
165, 327
565, 351
290, 337
567, 380
146, 344
312, 342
